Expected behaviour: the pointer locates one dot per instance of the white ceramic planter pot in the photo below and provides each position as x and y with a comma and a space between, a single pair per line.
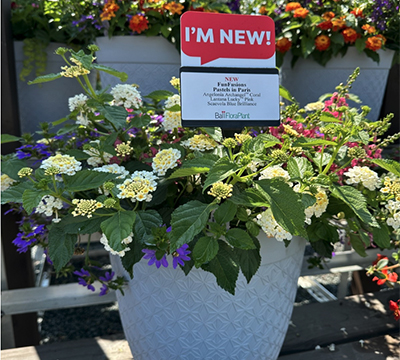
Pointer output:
308, 80
150, 62
167, 315
46, 102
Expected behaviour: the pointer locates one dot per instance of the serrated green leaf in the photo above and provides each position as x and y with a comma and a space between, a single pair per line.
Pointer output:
12, 166
381, 236
31, 199
15, 193
252, 228
121, 75
259, 143
297, 166
389, 165
220, 171
308, 142
183, 172
356, 201
140, 121
286, 205
224, 268
118, 227
328, 118
77, 154
187, 221
358, 245
206, 161
214, 132
61, 246
283, 92
159, 95
115, 114
6, 138
308, 200
86, 180
248, 198
206, 249
45, 78
145, 222
249, 260
240, 239
307, 46
82, 224
174, 108
225, 212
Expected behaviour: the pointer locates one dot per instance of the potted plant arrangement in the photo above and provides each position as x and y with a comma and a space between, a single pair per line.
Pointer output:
319, 43
206, 232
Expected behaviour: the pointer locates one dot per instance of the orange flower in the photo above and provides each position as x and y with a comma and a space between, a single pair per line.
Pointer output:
357, 12
174, 8
392, 277
379, 257
374, 43
263, 10
338, 24
283, 45
292, 6
325, 25
394, 306
350, 35
300, 13
369, 29
329, 15
109, 10
322, 42
138, 23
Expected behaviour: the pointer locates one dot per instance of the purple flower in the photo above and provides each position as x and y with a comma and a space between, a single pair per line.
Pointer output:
180, 255
103, 290
151, 256
107, 276
81, 281
24, 240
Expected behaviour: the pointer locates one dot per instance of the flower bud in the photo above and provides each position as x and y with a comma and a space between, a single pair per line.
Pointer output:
26, 171
93, 48
61, 51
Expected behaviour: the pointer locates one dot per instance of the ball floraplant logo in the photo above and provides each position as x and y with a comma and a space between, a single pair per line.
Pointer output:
228, 115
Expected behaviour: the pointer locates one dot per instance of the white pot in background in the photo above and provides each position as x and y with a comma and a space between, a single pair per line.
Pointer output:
167, 315
48, 101
150, 62
308, 80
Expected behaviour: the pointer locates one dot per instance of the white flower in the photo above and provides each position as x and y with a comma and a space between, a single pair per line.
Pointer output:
127, 95
172, 101
165, 160
6, 182
63, 164
394, 209
96, 157
138, 186
319, 206
253, 166
82, 119
126, 241
271, 228
113, 169
172, 120
48, 204
78, 102
319, 105
200, 142
273, 172
363, 175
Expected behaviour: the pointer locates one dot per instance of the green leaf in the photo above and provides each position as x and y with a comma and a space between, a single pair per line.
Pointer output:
389, 165
187, 221
82, 224
248, 198
307, 46
358, 245
45, 78
115, 114
259, 143
381, 236
140, 121
174, 108
220, 171
183, 172
206, 161
86, 180
133, 256
12, 166
6, 138
286, 205
337, 38
240, 239
224, 268
118, 227
121, 75
15, 193
360, 44
283, 92
61, 246
249, 260
308, 200
356, 201
308, 142
159, 95
77, 154
145, 222
225, 212
205, 250
31, 199
252, 228
328, 118
214, 132
298, 166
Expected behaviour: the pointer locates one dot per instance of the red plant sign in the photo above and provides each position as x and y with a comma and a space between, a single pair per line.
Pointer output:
211, 36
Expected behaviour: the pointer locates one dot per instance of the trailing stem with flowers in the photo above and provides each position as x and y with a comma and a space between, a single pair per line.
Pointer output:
124, 167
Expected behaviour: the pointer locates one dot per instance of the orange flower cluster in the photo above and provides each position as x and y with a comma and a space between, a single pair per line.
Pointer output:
283, 45
174, 8
357, 12
369, 29
322, 42
138, 23
374, 43
338, 24
293, 6
300, 13
109, 10
327, 24
262, 10
350, 35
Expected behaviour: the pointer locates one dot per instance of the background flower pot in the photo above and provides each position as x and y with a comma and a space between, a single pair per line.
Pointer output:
167, 315
308, 80
150, 62
50, 103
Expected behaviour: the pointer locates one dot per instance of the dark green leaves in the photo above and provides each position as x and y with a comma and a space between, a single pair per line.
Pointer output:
220, 171
115, 114
205, 250
240, 239
121, 75
389, 165
44, 78
225, 212
145, 221
61, 246
86, 180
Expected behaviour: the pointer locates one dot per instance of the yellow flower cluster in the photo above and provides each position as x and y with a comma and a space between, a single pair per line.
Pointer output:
241, 138
175, 82
86, 207
200, 142
392, 187
172, 120
26, 171
138, 187
74, 70
165, 160
124, 149
221, 190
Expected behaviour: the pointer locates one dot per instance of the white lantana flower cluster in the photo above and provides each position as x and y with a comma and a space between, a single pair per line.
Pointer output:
113, 169
394, 208
78, 102
172, 101
172, 120
165, 160
199, 142
271, 228
126, 241
6, 182
363, 175
48, 205
273, 172
127, 95
319, 206
62, 164
138, 186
